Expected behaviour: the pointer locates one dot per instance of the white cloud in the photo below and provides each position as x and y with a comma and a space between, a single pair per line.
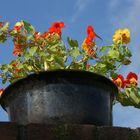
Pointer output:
79, 7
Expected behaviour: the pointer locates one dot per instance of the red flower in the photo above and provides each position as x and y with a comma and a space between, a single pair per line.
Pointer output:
91, 34
18, 49
90, 30
16, 70
17, 28
119, 81
89, 38
87, 66
132, 78
56, 27
14, 64
1, 91
1, 24
37, 35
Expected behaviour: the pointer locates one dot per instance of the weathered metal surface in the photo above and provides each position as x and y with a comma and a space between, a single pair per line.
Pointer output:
57, 97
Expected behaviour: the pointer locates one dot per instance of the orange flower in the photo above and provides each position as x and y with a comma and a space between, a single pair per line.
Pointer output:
56, 27
119, 81
18, 49
45, 34
17, 70
1, 91
132, 78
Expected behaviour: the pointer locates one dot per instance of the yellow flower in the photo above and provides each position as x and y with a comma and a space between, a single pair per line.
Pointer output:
121, 36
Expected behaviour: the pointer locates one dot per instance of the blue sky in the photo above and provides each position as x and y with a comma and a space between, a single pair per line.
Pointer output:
105, 16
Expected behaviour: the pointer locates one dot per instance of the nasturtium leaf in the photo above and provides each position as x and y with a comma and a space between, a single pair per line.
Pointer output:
56, 66
42, 54
134, 98
18, 24
33, 50
126, 51
72, 42
5, 27
2, 38
29, 68
4, 80
113, 74
50, 58
74, 52
26, 55
100, 65
113, 53
126, 61
20, 66
29, 28
59, 60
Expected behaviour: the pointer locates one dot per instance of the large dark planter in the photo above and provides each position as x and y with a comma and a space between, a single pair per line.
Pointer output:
60, 96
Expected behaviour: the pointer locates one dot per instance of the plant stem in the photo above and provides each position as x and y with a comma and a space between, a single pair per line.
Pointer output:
45, 66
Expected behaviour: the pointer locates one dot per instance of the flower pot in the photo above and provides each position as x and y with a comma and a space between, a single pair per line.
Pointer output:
60, 96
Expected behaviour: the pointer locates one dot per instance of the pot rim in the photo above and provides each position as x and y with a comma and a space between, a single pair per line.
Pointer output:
62, 73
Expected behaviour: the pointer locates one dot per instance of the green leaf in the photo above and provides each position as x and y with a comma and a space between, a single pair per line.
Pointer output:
20, 66
72, 42
33, 50
59, 60
4, 80
113, 74
126, 61
113, 53
29, 28
123, 99
42, 54
50, 58
74, 52
126, 51
2, 38
134, 98
5, 27
27, 55
29, 68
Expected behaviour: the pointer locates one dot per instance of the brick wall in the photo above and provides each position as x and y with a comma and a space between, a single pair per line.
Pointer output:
12, 131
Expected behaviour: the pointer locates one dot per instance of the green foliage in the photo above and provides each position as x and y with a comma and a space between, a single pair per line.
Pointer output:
3, 38
29, 28
74, 52
5, 27
72, 42
131, 97
35, 53
32, 50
